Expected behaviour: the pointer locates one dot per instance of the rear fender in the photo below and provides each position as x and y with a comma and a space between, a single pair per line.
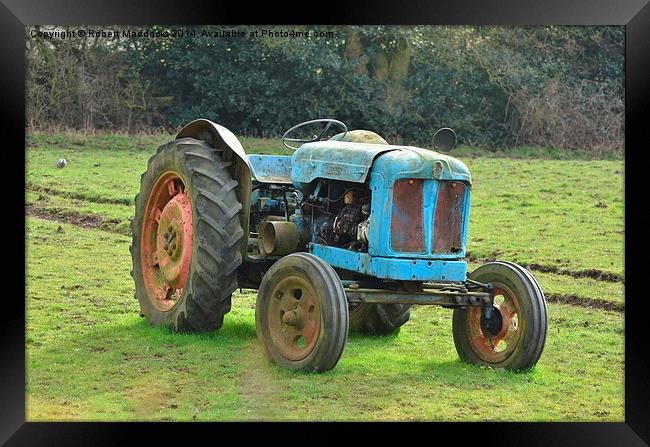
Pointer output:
219, 137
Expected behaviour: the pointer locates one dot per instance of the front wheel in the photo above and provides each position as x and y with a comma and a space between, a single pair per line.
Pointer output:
512, 336
301, 313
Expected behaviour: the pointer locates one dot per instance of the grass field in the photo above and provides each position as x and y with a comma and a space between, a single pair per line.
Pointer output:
91, 357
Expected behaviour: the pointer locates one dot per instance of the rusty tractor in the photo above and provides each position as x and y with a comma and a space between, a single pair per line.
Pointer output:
345, 234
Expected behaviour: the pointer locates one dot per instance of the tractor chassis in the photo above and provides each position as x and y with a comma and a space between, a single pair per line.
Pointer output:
446, 295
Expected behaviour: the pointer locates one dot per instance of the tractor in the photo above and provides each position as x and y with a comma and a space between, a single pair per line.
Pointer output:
344, 235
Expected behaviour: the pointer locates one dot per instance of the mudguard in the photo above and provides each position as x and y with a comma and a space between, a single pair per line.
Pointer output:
219, 137
263, 168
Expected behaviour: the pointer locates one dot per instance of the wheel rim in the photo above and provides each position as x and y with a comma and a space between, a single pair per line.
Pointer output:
166, 244
494, 345
294, 318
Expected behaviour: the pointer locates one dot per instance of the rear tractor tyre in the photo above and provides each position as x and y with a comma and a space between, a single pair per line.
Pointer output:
186, 236
513, 335
301, 314
378, 318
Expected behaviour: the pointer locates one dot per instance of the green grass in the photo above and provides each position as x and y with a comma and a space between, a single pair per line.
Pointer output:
523, 152
564, 213
91, 357
103, 167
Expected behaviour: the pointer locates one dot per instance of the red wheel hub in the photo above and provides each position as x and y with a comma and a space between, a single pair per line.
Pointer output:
494, 346
166, 244
174, 240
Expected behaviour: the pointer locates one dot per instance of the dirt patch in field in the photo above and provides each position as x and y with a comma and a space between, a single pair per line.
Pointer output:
594, 303
596, 274
72, 195
74, 218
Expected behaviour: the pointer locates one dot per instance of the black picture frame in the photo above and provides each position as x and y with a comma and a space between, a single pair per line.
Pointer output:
633, 14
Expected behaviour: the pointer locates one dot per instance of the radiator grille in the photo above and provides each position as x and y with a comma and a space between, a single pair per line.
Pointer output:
448, 218
407, 220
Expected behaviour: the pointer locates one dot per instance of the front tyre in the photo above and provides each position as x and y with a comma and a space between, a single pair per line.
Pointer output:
186, 236
301, 315
511, 337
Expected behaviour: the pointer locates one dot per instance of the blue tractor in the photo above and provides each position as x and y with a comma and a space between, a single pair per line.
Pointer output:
345, 234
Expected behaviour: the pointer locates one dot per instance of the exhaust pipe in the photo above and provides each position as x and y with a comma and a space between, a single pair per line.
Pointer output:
278, 238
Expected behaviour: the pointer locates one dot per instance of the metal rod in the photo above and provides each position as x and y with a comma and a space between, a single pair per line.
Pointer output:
437, 292
476, 283
441, 297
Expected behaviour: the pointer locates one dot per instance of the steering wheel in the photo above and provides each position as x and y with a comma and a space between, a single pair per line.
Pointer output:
329, 122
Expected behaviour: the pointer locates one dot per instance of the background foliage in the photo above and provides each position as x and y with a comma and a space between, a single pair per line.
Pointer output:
496, 86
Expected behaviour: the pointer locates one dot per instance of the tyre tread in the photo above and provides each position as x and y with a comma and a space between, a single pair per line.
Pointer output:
216, 256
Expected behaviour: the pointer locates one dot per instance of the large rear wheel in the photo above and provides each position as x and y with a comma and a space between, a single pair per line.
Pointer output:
186, 234
378, 318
